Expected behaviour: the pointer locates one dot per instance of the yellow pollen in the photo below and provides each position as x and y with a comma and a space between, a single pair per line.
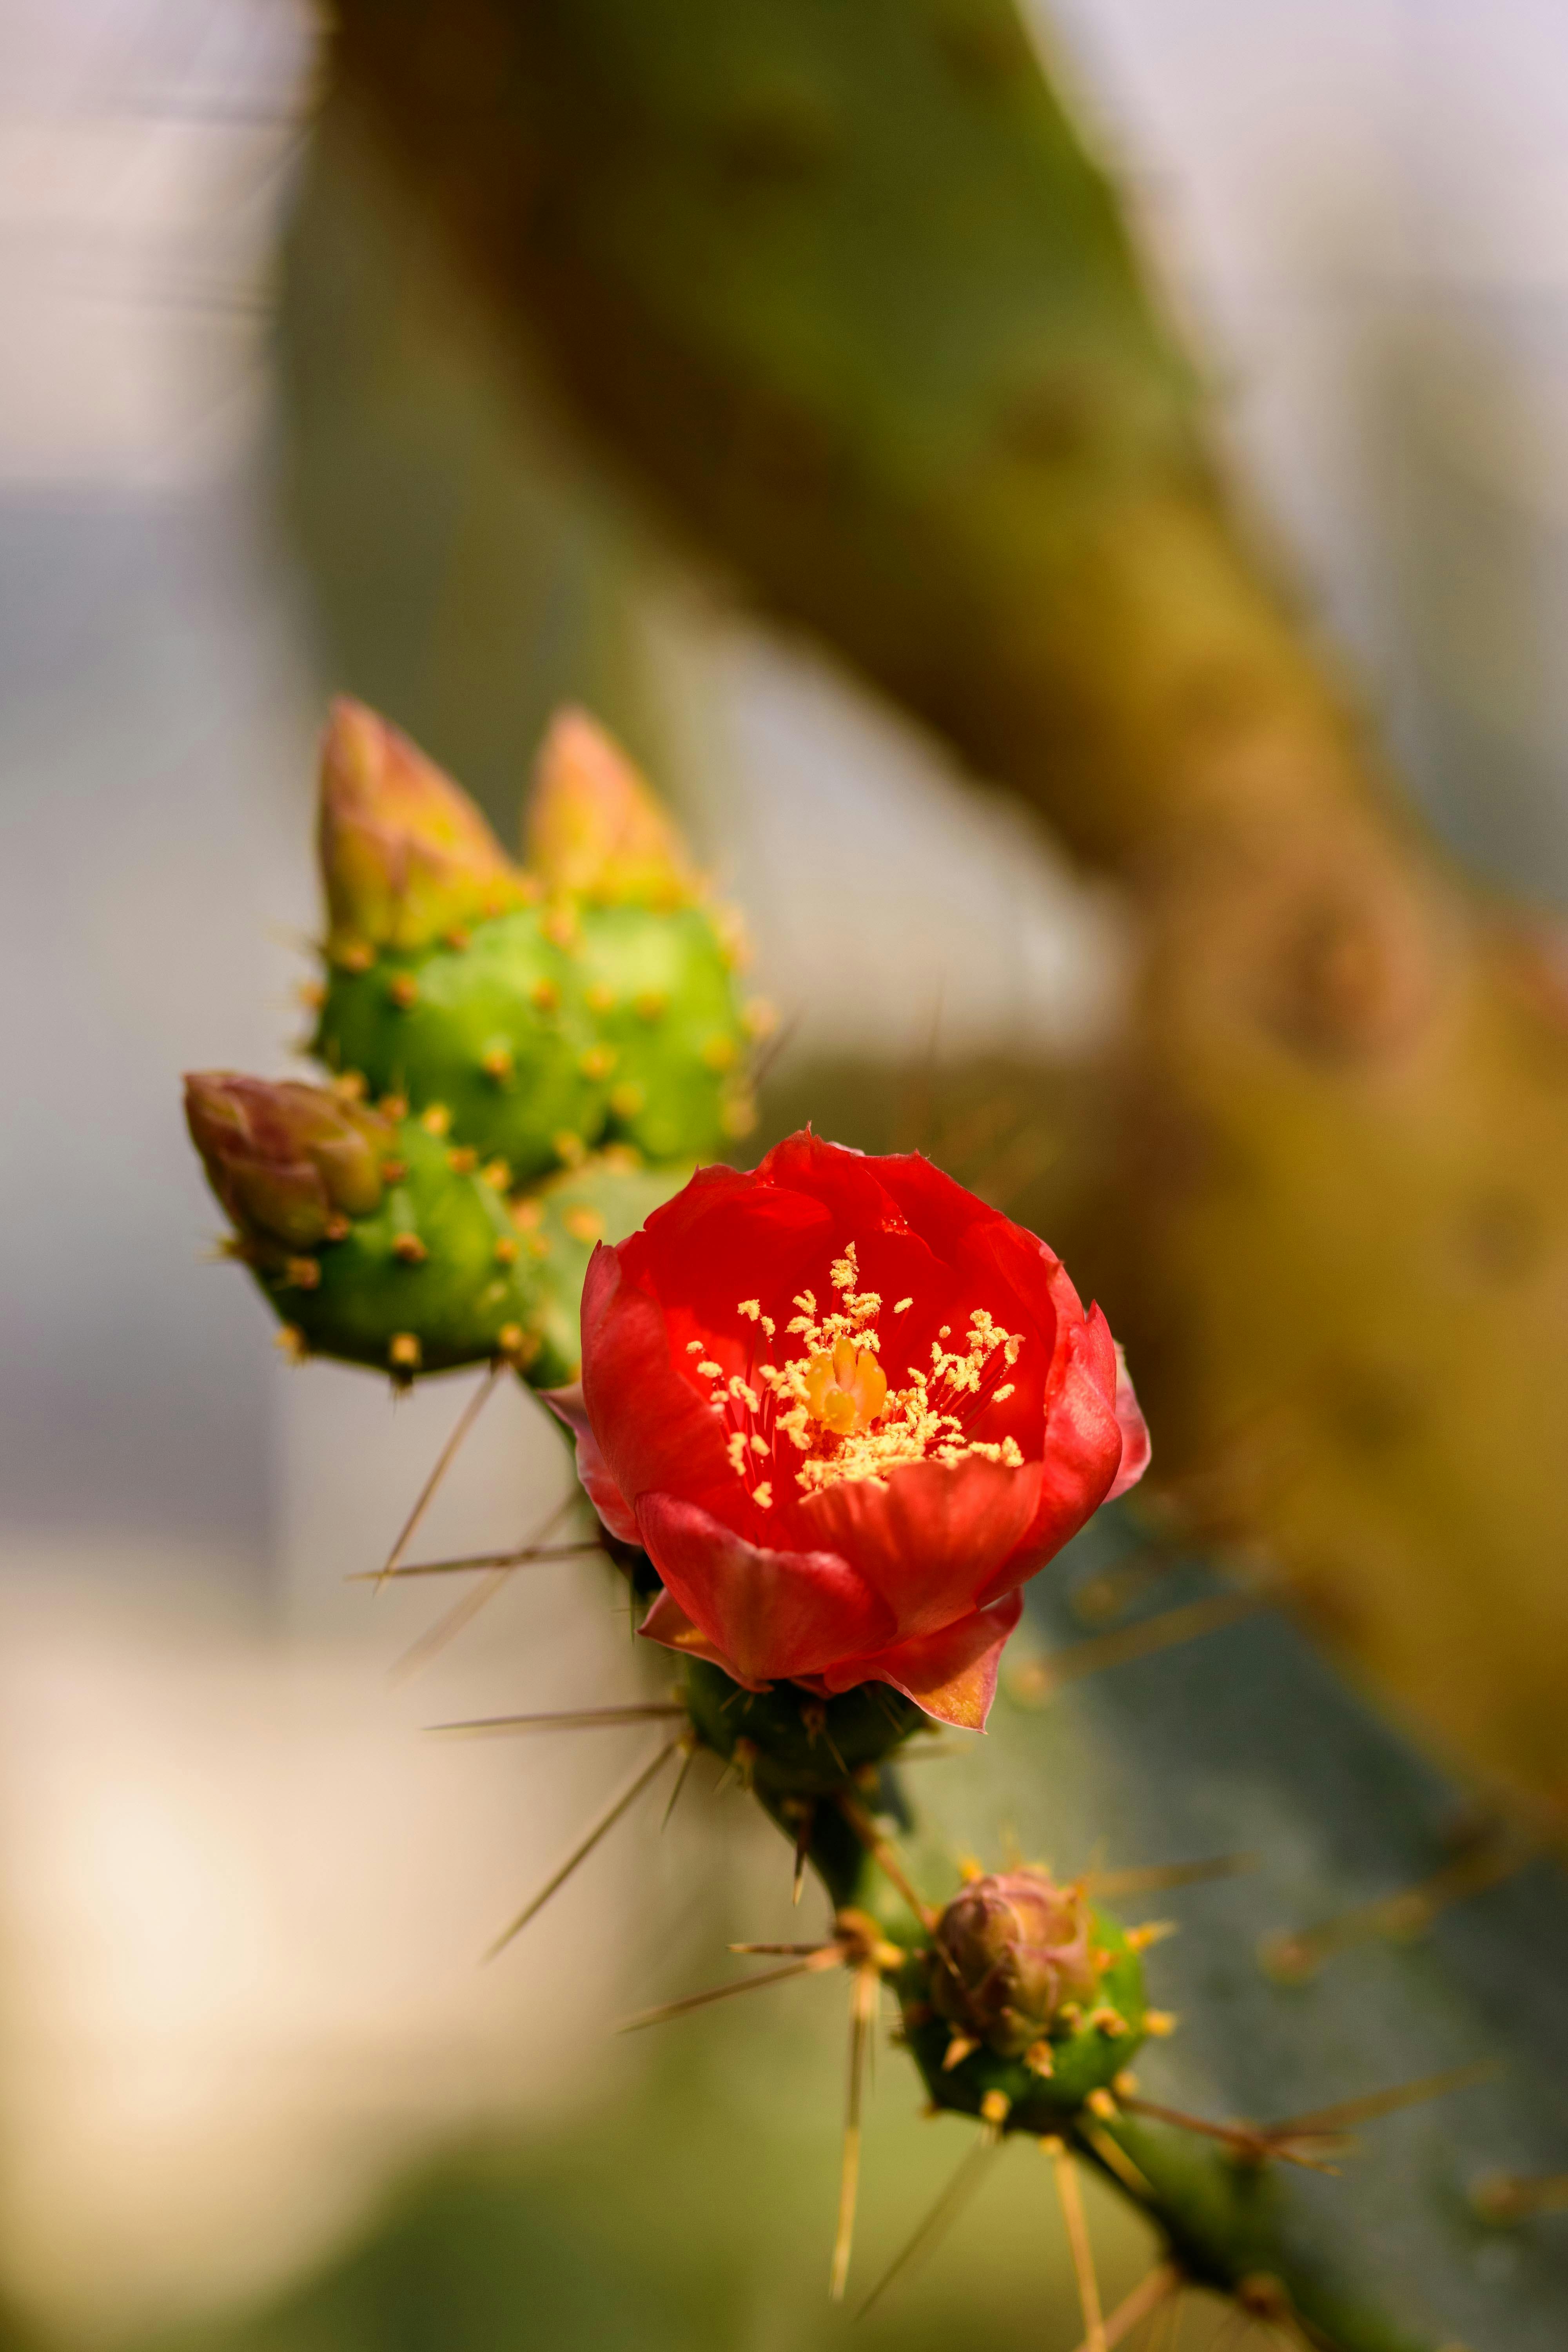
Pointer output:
835, 1404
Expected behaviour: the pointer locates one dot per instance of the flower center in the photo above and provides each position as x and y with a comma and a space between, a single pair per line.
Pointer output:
846, 1387
832, 1401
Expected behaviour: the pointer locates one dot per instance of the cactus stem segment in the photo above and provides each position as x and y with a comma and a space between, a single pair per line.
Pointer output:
444, 1461
1036, 1682
1070, 2197
862, 2018
621, 1802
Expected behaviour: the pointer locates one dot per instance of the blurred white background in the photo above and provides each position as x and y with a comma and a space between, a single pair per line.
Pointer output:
241, 1900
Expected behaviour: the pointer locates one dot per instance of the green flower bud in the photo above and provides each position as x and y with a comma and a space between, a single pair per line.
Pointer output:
406, 855
289, 1162
595, 826
1010, 1950
1027, 2004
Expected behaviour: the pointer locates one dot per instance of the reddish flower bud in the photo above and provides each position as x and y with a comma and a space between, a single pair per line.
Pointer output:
406, 855
595, 825
288, 1161
847, 1410
1010, 1949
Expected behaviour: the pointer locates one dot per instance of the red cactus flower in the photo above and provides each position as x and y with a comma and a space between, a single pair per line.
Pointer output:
847, 1410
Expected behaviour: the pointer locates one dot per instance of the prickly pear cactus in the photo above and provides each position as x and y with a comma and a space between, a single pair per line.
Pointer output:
852, 291
525, 1061
600, 1006
381, 1242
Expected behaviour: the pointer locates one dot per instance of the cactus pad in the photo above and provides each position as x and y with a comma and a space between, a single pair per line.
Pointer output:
381, 1242
552, 1028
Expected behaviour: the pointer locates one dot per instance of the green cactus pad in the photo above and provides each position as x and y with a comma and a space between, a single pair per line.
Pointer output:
1085, 2056
560, 1223
493, 1029
661, 992
545, 1031
435, 1277
448, 1271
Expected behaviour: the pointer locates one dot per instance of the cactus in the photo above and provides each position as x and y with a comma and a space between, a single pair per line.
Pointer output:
1020, 2001
600, 1007
534, 1038
381, 1241
1044, 567
849, 290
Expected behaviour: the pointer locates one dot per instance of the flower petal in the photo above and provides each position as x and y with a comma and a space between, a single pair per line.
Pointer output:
775, 1614
668, 1624
1136, 1448
931, 1538
1083, 1450
592, 1468
653, 1428
952, 1674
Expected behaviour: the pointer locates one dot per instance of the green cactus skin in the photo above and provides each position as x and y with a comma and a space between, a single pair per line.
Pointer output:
499, 1277
494, 1031
662, 990
793, 1744
563, 1220
545, 1032
798, 1752
471, 1294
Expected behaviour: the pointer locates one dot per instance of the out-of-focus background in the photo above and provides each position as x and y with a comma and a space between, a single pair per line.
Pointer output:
239, 1897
